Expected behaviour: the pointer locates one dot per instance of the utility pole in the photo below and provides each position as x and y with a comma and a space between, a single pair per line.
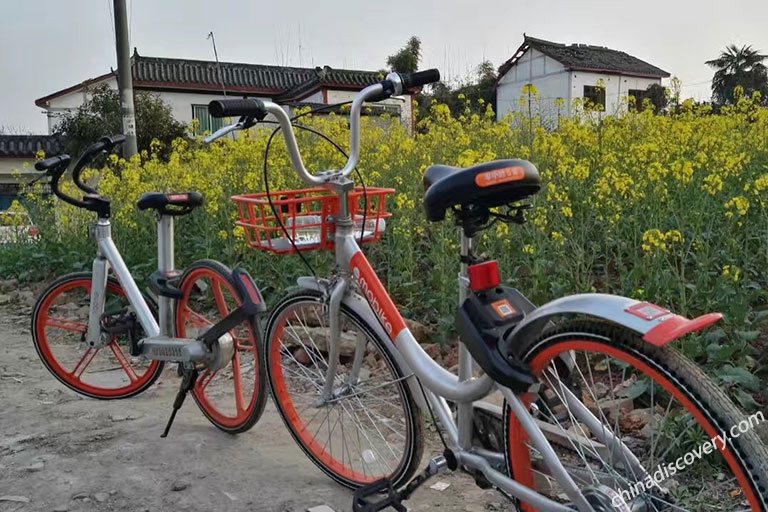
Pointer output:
124, 79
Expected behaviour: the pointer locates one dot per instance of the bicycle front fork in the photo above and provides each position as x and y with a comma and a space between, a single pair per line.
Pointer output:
334, 342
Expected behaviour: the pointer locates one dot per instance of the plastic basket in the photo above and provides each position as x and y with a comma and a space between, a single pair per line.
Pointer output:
307, 216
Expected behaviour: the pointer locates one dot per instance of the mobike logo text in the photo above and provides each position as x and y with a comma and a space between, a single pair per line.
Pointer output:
374, 293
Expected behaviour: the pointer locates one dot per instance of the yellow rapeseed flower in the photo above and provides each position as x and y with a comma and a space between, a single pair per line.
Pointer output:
731, 272
558, 238
738, 205
712, 184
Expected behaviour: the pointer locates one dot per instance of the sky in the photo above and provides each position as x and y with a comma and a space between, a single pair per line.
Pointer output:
48, 45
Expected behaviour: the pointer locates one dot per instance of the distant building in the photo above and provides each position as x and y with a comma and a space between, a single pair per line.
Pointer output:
187, 86
15, 151
566, 72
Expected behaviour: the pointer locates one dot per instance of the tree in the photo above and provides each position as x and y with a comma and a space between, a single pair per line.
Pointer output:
100, 115
738, 67
407, 58
481, 86
659, 96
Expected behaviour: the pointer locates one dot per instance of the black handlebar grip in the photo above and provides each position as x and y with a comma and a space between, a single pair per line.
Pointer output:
113, 140
50, 163
420, 78
248, 107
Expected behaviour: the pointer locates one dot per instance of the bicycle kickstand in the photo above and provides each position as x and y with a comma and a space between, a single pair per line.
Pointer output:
187, 383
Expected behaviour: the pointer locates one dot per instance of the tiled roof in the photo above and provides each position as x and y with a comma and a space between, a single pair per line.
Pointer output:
281, 82
28, 145
585, 57
286, 81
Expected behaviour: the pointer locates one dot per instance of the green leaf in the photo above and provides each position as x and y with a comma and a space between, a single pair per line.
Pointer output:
720, 353
739, 376
714, 336
760, 317
748, 335
636, 389
746, 400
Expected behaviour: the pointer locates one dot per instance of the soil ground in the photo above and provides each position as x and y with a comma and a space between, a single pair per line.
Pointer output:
63, 452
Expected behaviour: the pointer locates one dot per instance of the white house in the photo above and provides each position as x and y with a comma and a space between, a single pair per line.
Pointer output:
187, 86
561, 73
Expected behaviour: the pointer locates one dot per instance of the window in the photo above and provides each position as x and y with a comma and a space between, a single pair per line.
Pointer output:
206, 123
639, 95
595, 95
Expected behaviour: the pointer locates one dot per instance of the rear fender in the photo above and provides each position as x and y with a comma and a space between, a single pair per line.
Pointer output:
657, 325
360, 306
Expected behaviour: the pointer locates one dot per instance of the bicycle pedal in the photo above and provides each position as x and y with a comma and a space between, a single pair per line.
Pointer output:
369, 497
126, 323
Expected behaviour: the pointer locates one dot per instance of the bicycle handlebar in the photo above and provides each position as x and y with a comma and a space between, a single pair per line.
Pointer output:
393, 85
103, 144
56, 166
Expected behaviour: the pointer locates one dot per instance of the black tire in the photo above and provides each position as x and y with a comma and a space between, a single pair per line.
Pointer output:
710, 400
36, 318
414, 444
243, 422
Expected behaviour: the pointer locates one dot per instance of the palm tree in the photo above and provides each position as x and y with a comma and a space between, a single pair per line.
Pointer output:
738, 66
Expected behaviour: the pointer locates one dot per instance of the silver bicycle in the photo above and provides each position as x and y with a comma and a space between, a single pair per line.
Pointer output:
102, 337
599, 410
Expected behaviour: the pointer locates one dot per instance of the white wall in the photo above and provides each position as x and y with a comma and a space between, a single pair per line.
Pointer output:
9, 165
616, 87
314, 98
181, 102
548, 76
71, 101
405, 102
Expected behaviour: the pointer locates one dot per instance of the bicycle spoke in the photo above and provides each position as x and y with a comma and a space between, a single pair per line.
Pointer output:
84, 362
237, 380
123, 360
63, 323
196, 318
221, 303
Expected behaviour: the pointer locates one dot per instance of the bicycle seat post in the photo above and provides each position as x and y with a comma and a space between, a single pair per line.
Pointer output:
165, 266
465, 410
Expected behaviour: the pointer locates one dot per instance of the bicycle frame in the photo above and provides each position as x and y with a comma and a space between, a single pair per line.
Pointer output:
159, 343
439, 384
109, 257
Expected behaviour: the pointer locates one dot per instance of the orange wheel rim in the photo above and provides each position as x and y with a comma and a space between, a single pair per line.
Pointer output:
519, 453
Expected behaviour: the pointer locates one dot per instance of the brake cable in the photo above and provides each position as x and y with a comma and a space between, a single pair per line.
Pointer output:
335, 145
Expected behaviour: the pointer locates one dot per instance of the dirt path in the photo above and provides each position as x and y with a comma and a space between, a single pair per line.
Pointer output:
63, 452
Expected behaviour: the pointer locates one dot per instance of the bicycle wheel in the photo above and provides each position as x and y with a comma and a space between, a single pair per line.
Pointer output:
665, 410
233, 397
59, 325
371, 428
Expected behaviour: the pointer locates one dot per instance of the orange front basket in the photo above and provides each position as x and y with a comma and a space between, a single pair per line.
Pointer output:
307, 217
